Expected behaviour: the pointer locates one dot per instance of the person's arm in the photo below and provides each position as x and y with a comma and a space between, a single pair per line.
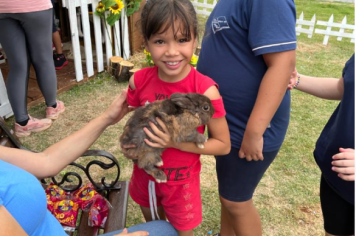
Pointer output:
344, 164
326, 88
8, 224
270, 94
132, 82
217, 144
59, 155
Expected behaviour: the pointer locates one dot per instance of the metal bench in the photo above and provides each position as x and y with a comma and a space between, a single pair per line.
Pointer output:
115, 191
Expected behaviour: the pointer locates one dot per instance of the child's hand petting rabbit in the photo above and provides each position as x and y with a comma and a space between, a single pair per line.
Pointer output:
181, 114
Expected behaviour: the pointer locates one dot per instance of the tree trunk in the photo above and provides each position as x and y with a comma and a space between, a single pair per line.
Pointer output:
115, 65
132, 71
124, 74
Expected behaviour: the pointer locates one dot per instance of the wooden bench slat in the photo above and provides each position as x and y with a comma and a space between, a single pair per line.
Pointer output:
84, 229
117, 215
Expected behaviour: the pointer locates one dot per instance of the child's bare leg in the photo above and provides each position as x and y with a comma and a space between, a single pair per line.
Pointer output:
185, 233
226, 225
56, 38
244, 217
147, 213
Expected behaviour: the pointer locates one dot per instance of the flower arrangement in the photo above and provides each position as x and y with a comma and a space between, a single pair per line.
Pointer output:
149, 63
113, 6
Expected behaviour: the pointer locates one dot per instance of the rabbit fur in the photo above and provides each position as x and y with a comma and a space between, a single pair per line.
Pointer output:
182, 114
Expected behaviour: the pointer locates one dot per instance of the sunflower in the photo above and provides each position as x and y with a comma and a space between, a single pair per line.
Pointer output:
100, 8
116, 9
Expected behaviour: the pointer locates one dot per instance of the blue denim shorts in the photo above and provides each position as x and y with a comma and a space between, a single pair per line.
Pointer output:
238, 178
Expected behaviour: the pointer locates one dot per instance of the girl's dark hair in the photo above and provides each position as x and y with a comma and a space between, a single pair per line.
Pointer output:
159, 15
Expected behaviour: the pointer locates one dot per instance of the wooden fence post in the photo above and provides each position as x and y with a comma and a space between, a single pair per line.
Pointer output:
342, 30
125, 35
328, 29
75, 39
117, 39
98, 39
87, 37
108, 38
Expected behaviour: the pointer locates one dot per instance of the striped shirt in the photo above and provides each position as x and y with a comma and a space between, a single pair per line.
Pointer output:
24, 6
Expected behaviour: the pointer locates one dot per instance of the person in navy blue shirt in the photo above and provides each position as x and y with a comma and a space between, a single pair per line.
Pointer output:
249, 50
335, 149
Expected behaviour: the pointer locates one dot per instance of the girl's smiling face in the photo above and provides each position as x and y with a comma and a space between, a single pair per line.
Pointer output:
171, 52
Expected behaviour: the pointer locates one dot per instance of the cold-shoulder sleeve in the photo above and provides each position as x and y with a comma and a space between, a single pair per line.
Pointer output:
204, 83
218, 105
133, 94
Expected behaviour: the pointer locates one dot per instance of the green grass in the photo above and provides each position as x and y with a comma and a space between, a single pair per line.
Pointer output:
288, 195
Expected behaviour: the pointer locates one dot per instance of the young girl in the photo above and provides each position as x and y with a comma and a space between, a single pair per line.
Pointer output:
335, 149
170, 31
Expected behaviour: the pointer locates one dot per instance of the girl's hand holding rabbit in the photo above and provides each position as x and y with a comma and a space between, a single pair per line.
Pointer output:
162, 139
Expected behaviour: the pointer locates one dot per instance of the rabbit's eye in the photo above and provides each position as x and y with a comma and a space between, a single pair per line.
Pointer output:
206, 107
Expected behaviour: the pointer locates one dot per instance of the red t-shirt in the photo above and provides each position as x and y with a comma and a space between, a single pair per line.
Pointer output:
179, 166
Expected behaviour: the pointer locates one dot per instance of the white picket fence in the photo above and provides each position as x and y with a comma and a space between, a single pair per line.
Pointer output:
301, 22
339, 34
5, 107
203, 7
120, 40
302, 26
330, 24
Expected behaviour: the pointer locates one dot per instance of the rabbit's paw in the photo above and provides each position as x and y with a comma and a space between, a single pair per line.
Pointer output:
200, 138
159, 176
160, 163
200, 145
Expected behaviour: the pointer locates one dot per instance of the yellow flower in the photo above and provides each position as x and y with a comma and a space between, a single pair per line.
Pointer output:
194, 60
100, 8
116, 9
147, 53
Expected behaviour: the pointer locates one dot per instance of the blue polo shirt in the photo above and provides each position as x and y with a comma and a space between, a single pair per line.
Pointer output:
338, 132
237, 34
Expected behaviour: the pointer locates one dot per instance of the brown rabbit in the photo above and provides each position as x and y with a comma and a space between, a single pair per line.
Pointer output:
182, 114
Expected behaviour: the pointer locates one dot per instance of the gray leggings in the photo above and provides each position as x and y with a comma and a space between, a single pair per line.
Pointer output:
26, 38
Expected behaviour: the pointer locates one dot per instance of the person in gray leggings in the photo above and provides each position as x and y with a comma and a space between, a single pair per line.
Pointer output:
25, 38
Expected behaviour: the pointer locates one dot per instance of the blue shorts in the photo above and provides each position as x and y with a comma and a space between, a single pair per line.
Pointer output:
238, 178
338, 214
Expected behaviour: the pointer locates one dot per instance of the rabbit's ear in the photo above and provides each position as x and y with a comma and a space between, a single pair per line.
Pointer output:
182, 100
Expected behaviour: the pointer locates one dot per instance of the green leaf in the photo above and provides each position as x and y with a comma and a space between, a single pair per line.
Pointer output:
109, 3
137, 5
112, 18
130, 11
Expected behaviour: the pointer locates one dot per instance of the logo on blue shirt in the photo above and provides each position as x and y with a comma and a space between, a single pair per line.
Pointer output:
219, 23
